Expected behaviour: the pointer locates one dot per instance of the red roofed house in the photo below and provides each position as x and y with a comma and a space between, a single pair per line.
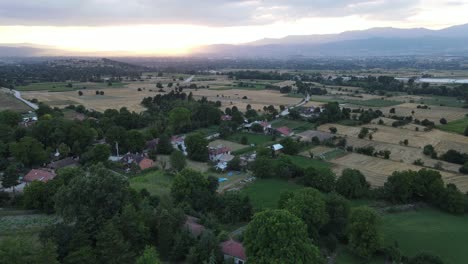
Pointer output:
146, 163
234, 250
285, 131
42, 175
141, 160
217, 152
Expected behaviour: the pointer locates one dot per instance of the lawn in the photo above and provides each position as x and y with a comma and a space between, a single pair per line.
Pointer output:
156, 182
297, 126
304, 162
9, 102
457, 126
265, 193
21, 222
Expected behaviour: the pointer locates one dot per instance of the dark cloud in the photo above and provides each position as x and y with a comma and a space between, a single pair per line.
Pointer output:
200, 12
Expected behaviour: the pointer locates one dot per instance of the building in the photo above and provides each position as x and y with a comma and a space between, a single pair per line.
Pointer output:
266, 126
284, 131
43, 175
178, 142
234, 250
277, 148
141, 160
216, 153
63, 163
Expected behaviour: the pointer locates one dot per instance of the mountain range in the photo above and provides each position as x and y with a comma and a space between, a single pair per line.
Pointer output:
370, 42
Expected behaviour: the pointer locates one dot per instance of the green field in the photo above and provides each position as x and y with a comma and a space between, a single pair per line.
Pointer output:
457, 126
304, 162
62, 86
23, 223
156, 182
442, 101
257, 139
9, 102
265, 193
297, 126
374, 102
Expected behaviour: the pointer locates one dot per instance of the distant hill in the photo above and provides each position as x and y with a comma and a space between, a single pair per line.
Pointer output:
371, 42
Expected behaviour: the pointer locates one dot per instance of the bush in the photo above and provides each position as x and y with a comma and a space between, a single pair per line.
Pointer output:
352, 184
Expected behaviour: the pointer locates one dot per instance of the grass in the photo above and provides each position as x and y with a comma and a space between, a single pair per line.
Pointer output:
9, 102
457, 126
374, 102
304, 162
62, 86
257, 139
156, 182
297, 126
336, 153
265, 193
25, 223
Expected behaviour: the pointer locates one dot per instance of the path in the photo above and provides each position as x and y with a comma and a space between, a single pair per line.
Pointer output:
189, 79
301, 103
17, 94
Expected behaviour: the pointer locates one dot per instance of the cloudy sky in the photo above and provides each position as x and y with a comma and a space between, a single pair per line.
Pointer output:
175, 26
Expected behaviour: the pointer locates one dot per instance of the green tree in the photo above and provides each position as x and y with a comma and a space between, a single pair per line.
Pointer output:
150, 256
207, 246
399, 187
466, 131
322, 179
64, 150
78, 202
234, 164
10, 176
338, 209
29, 151
10, 118
117, 134
309, 205
453, 200
193, 188
291, 147
277, 236
425, 258
179, 119
164, 145
428, 186
262, 168
135, 141
34, 195
352, 184
197, 147
98, 153
234, 208
178, 161
364, 235
111, 246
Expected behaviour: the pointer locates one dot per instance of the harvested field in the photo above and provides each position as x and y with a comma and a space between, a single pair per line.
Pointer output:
309, 134
377, 170
9, 102
435, 113
232, 145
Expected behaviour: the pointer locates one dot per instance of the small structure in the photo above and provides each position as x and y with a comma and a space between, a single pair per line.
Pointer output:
277, 148
284, 131
152, 144
178, 142
226, 118
63, 163
223, 161
43, 175
266, 126
233, 250
192, 225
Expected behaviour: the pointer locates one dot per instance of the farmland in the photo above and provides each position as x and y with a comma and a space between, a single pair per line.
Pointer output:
9, 102
265, 193
457, 126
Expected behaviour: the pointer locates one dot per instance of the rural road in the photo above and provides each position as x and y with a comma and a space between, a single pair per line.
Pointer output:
189, 79
17, 94
303, 102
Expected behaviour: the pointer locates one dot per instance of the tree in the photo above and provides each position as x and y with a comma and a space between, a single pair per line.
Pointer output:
179, 119
464, 169
178, 161
309, 205
98, 153
111, 246
262, 168
399, 187
428, 186
234, 164
10, 176
29, 151
333, 130
197, 147
291, 147
466, 131
193, 188
322, 179
453, 200
149, 256
364, 235
277, 236
234, 208
425, 258
338, 209
10, 118
164, 145
257, 128
352, 184
207, 246
135, 141
78, 202
19, 250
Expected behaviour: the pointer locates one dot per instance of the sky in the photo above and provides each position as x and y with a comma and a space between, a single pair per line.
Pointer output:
174, 27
